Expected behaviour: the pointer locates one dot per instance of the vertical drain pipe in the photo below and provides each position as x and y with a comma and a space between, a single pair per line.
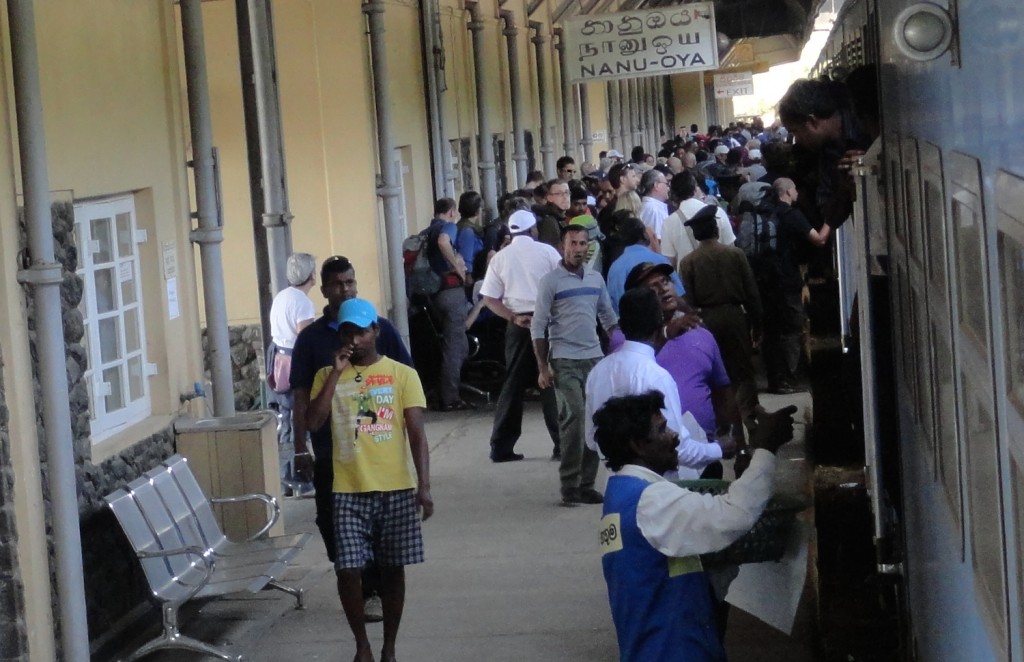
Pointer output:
614, 114
435, 105
588, 141
208, 234
519, 158
389, 188
569, 139
488, 182
624, 118
276, 216
540, 40
45, 277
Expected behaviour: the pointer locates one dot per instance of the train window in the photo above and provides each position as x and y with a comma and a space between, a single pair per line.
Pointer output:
985, 509
934, 218
912, 200
1010, 201
1017, 481
899, 217
905, 334
944, 410
918, 337
969, 245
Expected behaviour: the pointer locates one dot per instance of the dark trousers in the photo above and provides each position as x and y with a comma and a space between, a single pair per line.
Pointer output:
783, 329
323, 481
520, 374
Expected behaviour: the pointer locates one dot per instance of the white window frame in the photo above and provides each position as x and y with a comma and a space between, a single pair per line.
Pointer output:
123, 268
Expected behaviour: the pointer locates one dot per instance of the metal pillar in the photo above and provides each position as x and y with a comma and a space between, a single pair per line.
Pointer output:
614, 114
569, 138
540, 41
638, 121
488, 182
628, 117
624, 116
390, 187
246, 70
653, 132
588, 140
208, 234
276, 216
519, 157
433, 57
45, 276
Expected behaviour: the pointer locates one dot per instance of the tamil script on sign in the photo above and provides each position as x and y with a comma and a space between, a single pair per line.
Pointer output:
642, 43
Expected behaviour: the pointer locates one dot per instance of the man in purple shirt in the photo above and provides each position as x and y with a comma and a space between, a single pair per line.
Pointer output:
693, 359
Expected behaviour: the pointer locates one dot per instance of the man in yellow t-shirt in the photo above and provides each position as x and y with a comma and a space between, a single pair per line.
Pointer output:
373, 404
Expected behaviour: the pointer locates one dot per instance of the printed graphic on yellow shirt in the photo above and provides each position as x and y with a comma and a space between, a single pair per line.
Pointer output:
363, 411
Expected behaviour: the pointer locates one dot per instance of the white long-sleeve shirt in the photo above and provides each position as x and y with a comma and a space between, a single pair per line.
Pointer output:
632, 370
678, 522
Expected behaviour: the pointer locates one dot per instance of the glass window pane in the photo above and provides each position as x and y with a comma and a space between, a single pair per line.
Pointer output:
102, 237
115, 398
110, 339
125, 245
135, 386
131, 330
970, 269
127, 284
1017, 481
984, 507
935, 220
1011, 269
106, 297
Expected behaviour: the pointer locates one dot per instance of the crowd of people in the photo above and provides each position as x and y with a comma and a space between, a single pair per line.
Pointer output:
634, 296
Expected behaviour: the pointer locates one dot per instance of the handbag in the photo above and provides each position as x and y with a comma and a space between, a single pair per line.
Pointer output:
280, 372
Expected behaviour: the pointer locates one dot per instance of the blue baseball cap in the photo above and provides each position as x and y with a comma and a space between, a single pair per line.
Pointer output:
359, 312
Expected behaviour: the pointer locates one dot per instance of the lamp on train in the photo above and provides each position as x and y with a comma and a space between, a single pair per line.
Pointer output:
923, 31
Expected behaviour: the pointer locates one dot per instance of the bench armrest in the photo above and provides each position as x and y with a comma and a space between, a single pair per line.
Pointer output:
208, 564
273, 509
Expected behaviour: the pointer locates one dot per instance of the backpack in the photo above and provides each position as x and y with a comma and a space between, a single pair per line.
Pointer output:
420, 277
758, 234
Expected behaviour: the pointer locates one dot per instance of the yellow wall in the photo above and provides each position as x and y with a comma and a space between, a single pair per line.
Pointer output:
329, 142
688, 97
597, 96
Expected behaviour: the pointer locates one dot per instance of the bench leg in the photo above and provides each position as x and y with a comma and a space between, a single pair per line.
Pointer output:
300, 595
172, 638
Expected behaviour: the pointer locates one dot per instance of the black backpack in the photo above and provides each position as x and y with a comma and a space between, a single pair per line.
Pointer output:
758, 208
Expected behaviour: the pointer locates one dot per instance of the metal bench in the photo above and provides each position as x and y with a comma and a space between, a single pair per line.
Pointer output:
185, 554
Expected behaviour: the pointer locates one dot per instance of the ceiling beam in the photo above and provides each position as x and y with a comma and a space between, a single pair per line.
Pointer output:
566, 5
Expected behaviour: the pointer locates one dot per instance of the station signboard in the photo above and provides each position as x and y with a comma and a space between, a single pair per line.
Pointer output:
649, 42
731, 85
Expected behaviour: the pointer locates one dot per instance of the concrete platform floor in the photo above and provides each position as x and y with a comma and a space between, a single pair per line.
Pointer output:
510, 575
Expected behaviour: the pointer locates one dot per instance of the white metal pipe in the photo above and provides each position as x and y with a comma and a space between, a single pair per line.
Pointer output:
390, 187
588, 140
208, 234
628, 117
622, 90
276, 217
540, 41
569, 138
614, 114
638, 123
488, 181
45, 276
519, 157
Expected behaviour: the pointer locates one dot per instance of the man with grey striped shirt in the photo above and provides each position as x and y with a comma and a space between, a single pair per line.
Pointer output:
571, 300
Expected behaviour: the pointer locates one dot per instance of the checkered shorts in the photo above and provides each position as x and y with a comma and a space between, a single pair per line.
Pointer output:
381, 526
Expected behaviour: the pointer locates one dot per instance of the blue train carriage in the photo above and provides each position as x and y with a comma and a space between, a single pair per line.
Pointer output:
950, 189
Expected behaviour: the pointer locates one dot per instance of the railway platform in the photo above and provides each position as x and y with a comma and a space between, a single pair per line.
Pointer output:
510, 575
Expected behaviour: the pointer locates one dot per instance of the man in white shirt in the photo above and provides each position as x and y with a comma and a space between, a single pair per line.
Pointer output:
510, 291
654, 207
632, 370
677, 240
652, 531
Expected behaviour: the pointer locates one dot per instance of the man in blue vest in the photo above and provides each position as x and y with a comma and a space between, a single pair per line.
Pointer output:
653, 531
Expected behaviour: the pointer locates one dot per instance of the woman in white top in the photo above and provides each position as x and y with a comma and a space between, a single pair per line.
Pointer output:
291, 312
